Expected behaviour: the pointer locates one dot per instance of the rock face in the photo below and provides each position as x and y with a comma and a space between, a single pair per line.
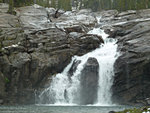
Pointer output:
32, 49
34, 46
2, 87
89, 82
132, 75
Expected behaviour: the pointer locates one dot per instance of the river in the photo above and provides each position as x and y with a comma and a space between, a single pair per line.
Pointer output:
60, 109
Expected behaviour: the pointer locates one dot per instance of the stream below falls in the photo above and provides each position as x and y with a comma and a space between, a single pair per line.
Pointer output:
60, 109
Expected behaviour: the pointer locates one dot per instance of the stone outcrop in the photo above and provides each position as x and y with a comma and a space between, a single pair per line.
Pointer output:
32, 49
89, 82
132, 75
34, 45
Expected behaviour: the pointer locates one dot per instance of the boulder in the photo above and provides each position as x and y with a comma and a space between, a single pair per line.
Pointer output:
89, 82
111, 112
1, 101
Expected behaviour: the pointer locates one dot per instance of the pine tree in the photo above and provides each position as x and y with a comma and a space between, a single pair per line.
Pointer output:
11, 7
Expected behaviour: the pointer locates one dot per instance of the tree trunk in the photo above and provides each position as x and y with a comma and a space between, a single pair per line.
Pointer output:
11, 7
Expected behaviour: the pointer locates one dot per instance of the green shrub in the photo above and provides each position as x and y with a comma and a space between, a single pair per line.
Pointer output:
7, 80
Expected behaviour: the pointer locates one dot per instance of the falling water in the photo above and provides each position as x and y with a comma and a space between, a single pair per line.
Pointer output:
64, 90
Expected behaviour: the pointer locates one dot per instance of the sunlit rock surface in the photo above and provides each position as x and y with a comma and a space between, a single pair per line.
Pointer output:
37, 17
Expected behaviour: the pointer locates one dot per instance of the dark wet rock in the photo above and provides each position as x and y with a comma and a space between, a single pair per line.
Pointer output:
78, 29
89, 82
54, 13
131, 82
1, 101
2, 86
111, 112
44, 55
135, 59
73, 67
57, 13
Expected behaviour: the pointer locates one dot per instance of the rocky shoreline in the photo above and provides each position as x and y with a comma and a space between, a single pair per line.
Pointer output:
35, 45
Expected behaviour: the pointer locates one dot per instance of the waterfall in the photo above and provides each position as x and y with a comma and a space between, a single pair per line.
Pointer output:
65, 90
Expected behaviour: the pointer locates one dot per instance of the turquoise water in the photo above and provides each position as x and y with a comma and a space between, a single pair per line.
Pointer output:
60, 109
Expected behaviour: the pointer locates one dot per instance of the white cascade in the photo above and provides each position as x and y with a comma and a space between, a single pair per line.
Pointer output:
61, 84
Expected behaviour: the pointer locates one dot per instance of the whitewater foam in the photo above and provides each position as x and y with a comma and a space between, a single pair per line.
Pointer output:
61, 84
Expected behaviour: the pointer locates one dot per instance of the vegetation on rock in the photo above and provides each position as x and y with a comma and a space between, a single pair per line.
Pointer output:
0, 41
136, 110
95, 5
7, 80
11, 7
